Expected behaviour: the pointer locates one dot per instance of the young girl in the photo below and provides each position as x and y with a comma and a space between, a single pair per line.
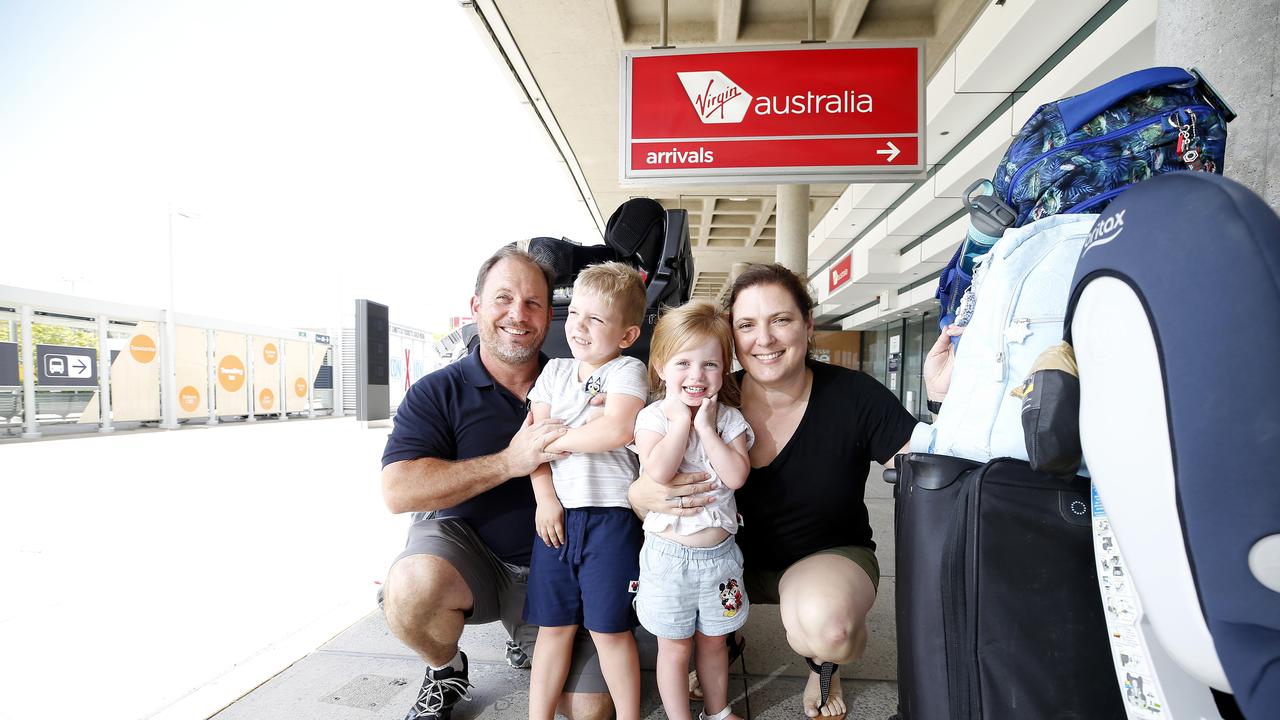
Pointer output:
691, 592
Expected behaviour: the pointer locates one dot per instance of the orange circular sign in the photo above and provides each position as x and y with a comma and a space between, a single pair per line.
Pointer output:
142, 348
266, 399
189, 398
269, 353
230, 373
300, 387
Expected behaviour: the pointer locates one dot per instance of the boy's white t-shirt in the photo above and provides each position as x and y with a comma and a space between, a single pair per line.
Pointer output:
590, 479
722, 510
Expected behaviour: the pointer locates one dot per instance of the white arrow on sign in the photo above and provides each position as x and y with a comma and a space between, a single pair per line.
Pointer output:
892, 152
79, 368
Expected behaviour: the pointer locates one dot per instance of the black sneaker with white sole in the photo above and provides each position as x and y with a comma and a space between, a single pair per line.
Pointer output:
517, 657
441, 690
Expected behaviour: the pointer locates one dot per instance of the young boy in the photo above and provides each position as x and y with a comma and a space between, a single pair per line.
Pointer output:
585, 560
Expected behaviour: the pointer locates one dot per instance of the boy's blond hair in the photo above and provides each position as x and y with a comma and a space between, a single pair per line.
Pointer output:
619, 285
694, 322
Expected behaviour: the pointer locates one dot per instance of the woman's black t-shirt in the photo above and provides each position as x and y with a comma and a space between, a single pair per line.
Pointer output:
810, 497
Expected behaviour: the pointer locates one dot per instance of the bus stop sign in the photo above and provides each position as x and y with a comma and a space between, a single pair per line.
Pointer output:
62, 365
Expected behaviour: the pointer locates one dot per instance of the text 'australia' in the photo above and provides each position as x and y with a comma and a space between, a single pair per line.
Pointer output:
850, 101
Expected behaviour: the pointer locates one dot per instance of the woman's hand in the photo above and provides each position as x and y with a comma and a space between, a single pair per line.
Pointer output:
686, 494
939, 363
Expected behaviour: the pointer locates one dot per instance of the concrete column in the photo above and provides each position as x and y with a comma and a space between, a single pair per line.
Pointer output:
210, 343
104, 378
283, 390
169, 371
792, 246
335, 338
1234, 44
248, 378
311, 376
28, 376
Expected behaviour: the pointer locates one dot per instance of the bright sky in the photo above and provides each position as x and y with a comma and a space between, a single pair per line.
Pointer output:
327, 151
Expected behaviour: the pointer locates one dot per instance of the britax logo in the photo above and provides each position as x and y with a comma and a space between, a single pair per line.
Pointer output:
1105, 230
715, 98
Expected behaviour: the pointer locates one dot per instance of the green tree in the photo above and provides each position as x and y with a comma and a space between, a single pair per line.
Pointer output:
62, 335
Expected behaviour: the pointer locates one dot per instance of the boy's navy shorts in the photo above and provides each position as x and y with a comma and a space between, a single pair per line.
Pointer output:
590, 580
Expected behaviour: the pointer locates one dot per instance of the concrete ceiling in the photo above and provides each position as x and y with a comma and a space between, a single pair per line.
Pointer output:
980, 57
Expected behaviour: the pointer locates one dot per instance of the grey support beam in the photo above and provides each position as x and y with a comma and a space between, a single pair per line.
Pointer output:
846, 16
704, 221
729, 21
617, 18
766, 211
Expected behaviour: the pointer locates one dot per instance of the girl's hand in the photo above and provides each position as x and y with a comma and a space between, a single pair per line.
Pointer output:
676, 411
549, 521
939, 363
705, 419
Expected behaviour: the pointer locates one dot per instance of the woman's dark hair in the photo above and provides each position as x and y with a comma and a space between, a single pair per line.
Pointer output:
775, 274
780, 275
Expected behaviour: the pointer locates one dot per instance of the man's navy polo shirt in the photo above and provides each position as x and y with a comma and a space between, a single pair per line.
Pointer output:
456, 413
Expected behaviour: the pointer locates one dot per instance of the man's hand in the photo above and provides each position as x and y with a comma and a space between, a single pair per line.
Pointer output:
549, 520
685, 495
527, 449
705, 420
939, 363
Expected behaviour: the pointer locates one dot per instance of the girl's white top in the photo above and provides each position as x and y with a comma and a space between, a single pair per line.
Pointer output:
722, 511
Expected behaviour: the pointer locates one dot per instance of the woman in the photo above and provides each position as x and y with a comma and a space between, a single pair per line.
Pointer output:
806, 537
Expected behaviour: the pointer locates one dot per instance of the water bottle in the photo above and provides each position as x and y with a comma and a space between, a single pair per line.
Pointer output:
989, 216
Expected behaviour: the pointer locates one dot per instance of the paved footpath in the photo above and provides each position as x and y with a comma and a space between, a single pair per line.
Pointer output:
230, 571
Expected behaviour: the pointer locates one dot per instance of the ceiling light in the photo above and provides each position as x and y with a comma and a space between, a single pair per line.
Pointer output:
945, 132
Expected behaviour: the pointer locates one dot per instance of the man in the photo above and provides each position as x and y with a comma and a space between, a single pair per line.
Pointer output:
463, 447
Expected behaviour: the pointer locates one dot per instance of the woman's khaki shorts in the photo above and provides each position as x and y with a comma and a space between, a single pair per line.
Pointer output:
762, 585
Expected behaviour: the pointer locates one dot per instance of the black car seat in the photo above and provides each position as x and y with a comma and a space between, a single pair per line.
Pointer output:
641, 233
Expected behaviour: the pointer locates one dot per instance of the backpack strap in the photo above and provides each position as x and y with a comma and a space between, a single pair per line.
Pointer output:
1080, 109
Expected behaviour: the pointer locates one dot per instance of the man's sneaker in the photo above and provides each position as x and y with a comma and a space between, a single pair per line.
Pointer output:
517, 657
441, 690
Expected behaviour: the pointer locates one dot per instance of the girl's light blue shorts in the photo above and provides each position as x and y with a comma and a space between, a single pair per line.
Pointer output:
687, 588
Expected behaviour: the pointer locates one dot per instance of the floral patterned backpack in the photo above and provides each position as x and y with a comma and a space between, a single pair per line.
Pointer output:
1076, 154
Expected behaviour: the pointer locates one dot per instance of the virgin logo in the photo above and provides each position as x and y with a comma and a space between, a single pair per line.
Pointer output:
715, 98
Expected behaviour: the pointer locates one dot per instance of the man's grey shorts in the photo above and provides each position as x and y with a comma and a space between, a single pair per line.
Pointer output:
498, 590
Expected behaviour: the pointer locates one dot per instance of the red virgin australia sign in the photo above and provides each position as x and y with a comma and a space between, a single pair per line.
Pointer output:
771, 114
839, 273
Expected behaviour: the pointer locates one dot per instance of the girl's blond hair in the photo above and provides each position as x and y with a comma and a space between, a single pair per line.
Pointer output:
695, 321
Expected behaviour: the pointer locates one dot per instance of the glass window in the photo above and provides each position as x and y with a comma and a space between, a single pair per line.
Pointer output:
912, 362
875, 353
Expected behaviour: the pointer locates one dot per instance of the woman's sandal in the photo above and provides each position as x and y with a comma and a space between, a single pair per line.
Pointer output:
737, 644
726, 712
825, 671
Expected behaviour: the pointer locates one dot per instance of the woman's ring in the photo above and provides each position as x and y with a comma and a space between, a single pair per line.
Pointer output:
680, 501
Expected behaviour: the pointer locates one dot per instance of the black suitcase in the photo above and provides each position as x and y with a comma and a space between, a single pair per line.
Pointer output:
998, 610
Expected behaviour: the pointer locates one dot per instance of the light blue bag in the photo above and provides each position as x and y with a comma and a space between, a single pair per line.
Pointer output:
1021, 288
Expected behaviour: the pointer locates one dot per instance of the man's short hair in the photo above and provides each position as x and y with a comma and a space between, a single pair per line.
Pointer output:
621, 287
511, 252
